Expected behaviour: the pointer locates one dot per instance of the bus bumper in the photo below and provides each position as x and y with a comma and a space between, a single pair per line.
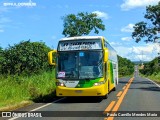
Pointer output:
92, 91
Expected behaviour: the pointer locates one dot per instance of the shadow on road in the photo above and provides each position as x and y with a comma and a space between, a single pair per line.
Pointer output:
52, 97
123, 82
45, 98
144, 85
142, 82
150, 88
81, 100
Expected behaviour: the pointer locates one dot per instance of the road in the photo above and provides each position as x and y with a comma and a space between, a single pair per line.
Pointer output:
132, 98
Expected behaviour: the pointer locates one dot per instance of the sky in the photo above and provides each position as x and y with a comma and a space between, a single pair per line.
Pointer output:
42, 21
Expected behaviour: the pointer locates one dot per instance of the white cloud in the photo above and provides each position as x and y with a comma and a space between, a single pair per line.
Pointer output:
123, 51
145, 52
147, 49
126, 39
142, 58
101, 14
128, 28
130, 4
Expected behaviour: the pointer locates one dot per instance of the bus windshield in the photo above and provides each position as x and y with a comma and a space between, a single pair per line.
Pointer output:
79, 65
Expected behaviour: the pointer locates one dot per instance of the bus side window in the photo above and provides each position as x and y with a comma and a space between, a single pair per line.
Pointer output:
114, 66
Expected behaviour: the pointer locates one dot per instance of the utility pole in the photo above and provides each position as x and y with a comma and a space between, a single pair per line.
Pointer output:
142, 58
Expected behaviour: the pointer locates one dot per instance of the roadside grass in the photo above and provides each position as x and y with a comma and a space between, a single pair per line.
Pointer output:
122, 76
19, 89
155, 77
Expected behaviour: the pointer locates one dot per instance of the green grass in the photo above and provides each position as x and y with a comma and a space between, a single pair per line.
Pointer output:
122, 76
155, 77
15, 89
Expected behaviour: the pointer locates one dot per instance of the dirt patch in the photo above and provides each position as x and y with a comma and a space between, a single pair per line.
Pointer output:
16, 106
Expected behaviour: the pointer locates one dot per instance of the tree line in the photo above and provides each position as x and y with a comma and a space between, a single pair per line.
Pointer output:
151, 68
24, 58
125, 66
27, 58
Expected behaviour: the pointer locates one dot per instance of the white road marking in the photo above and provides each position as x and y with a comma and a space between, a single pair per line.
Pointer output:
153, 82
38, 108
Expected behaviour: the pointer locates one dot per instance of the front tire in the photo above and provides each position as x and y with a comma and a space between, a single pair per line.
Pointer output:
114, 89
106, 96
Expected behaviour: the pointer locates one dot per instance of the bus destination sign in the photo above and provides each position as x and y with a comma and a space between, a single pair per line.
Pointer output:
80, 45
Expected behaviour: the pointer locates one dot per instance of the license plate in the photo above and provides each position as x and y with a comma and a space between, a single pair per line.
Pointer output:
78, 91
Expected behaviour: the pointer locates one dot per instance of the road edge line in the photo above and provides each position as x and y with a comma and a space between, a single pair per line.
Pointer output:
13, 118
153, 82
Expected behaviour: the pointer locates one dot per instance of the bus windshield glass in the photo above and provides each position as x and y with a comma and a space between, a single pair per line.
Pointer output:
79, 65
90, 64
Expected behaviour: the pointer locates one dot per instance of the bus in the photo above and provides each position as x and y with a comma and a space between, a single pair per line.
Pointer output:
85, 66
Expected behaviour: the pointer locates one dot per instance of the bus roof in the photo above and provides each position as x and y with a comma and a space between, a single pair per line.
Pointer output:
82, 37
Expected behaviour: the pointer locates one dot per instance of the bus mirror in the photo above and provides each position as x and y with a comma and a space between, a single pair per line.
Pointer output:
105, 55
52, 57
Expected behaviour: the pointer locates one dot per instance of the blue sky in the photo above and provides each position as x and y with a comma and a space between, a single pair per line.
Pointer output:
43, 22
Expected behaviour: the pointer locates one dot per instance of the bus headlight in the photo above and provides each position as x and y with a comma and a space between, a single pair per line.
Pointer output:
60, 84
98, 83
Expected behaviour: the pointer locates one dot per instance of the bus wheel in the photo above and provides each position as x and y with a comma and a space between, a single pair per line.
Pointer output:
114, 89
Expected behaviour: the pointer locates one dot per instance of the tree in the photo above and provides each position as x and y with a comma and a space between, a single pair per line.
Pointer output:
1, 58
151, 67
148, 30
81, 24
125, 66
25, 58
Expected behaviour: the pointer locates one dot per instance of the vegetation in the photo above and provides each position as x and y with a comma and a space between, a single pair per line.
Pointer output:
1, 59
37, 88
25, 74
81, 24
151, 70
148, 30
125, 67
155, 77
18, 81
24, 58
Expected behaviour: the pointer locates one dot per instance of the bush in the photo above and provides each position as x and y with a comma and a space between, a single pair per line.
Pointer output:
151, 67
125, 66
25, 58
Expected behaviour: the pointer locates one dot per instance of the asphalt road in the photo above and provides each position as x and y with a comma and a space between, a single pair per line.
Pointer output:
132, 99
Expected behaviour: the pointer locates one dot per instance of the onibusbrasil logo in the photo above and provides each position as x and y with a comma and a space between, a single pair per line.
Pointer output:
30, 3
